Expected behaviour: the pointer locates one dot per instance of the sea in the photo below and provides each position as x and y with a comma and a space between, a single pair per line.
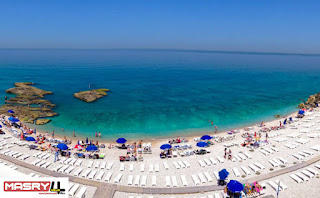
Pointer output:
157, 94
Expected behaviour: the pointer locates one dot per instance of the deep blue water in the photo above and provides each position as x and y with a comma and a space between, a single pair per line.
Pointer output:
162, 93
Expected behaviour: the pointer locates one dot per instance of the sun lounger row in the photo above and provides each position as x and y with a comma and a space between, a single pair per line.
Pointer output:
275, 184
73, 188
291, 145
210, 161
280, 139
199, 178
316, 148
181, 164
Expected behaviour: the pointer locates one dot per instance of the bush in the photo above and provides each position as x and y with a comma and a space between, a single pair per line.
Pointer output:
243, 176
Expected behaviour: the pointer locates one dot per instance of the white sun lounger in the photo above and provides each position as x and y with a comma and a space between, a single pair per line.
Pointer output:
166, 166
118, 178
176, 165
202, 178
264, 152
90, 164
184, 180
273, 163
316, 148
181, 164
308, 152
207, 161
77, 172
216, 174
108, 177
248, 155
282, 185
41, 155
70, 185
195, 179
245, 170
187, 164
151, 168
254, 168
282, 160
311, 170
302, 176
78, 162
109, 166
36, 154
69, 169
103, 165
130, 167
57, 168
130, 180
168, 182
299, 157
142, 168
202, 164
274, 149
290, 146
100, 175
154, 180
67, 161
269, 150
208, 176
81, 193
236, 172
97, 164
74, 189
122, 167
217, 195
242, 156
72, 161
302, 141
143, 180
259, 165
274, 185
137, 180
41, 163
308, 173
92, 174
63, 168
36, 162
174, 181
85, 173
46, 165
220, 159
25, 157
303, 154
157, 168
212, 161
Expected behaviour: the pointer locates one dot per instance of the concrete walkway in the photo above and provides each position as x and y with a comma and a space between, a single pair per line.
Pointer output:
107, 190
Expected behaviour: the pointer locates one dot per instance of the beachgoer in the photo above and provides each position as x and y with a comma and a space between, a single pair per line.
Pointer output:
225, 153
62, 129
52, 134
96, 134
99, 134
216, 129
56, 156
267, 136
230, 156
212, 123
280, 124
74, 133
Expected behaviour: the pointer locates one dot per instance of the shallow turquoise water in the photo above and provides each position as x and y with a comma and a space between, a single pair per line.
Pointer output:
162, 93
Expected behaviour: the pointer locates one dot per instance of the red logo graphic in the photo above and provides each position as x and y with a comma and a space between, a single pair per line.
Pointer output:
35, 186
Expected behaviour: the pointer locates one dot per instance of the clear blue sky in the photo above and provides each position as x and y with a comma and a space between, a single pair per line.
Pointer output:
257, 25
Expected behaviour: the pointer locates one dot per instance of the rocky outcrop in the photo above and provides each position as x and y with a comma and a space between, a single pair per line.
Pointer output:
42, 121
91, 95
29, 103
312, 101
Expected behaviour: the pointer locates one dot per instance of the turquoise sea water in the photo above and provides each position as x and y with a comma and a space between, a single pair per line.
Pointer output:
162, 93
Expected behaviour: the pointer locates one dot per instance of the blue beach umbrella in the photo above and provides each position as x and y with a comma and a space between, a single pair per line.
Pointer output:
30, 139
223, 174
235, 186
0, 126
62, 146
301, 112
206, 137
92, 148
165, 146
202, 144
12, 119
121, 140
10, 111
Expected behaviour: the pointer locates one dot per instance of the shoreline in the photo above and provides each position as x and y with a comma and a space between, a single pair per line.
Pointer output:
188, 136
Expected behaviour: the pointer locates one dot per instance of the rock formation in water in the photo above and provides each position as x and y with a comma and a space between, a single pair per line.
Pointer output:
29, 103
91, 95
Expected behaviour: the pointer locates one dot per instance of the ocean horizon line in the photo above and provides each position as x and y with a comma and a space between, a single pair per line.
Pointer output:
174, 50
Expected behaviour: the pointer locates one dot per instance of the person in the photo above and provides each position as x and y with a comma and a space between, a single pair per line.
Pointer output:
56, 156
99, 134
230, 155
280, 124
96, 134
62, 129
74, 133
225, 153
5, 98
216, 129
52, 134
255, 134
267, 136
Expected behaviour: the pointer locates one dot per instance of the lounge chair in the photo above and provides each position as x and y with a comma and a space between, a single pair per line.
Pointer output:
78, 162
274, 185
259, 165
202, 164
245, 170
311, 170
85, 173
36, 162
81, 193
151, 168
187, 164
176, 165
221, 160
142, 168
74, 189
168, 182
242, 156
103, 165
70, 185
100, 175
130, 180
248, 155
90, 164
108, 177
195, 179
299, 157
307, 173
208, 176
235, 156
97, 164
130, 167
77, 172
174, 181
92, 174
62, 169
57, 168
166, 166
109, 166
202, 178
122, 167
41, 163
273, 163
302, 176
154, 180
216, 174
181, 164
184, 180
118, 178
137, 180
72, 161
212, 161
254, 168
46, 165
236, 172
282, 160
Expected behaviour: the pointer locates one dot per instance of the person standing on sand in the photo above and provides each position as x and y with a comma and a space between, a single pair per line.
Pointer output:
225, 153
56, 156
280, 124
52, 134
99, 134
96, 134
216, 129
74, 133
267, 136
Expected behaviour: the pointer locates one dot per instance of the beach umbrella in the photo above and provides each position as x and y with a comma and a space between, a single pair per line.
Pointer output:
62, 146
77, 146
165, 146
92, 148
206, 137
10, 111
121, 140
301, 112
223, 174
30, 139
235, 186
12, 119
202, 144
0, 126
